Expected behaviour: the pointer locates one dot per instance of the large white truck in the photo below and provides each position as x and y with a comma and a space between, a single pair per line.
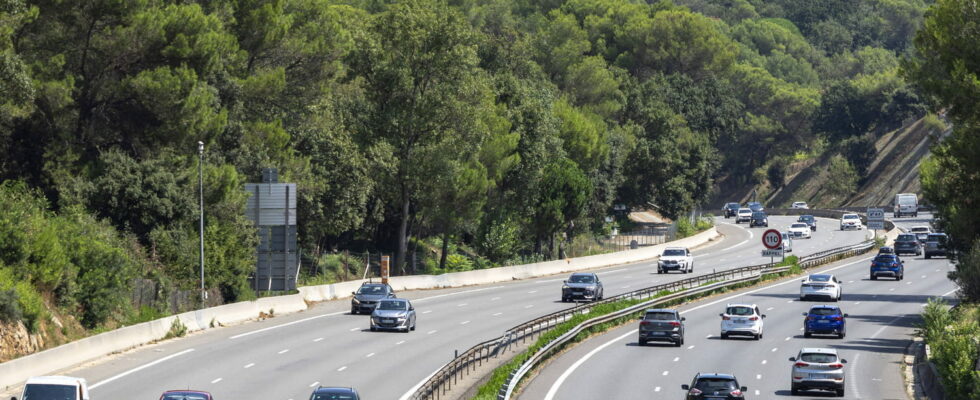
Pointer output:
906, 204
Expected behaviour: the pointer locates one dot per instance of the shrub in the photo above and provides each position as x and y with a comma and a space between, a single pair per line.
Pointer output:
9, 309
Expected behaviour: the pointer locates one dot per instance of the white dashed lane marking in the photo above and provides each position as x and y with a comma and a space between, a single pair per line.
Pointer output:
666, 372
284, 351
355, 329
497, 314
369, 355
656, 389
314, 384
318, 339
341, 368
676, 359
399, 342
426, 311
216, 380
249, 365
464, 322
431, 332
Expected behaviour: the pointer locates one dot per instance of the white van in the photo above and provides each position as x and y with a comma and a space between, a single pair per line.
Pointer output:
55, 388
906, 204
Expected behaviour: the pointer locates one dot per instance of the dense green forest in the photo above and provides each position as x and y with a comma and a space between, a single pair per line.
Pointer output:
505, 127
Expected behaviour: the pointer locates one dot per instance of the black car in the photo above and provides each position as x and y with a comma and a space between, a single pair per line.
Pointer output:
334, 393
714, 386
731, 209
582, 285
661, 325
367, 296
809, 220
759, 218
907, 243
755, 206
935, 245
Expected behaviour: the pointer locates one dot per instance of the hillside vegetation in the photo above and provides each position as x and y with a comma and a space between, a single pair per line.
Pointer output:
496, 130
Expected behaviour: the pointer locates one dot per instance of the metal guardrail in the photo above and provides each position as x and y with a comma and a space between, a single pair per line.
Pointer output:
452, 372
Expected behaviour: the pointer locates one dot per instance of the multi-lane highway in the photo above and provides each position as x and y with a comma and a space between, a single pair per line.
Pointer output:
882, 315
287, 356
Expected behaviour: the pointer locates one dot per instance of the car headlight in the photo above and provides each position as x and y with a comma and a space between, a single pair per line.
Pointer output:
565, 287
355, 301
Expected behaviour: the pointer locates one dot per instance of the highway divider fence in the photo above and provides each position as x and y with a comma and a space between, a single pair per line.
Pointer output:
443, 380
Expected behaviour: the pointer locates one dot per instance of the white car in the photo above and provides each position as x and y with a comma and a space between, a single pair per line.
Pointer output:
800, 205
742, 319
55, 387
851, 221
787, 244
800, 230
817, 368
821, 285
743, 215
676, 259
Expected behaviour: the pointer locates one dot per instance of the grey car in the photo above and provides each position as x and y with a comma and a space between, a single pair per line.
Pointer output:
582, 285
817, 368
935, 245
368, 295
662, 325
393, 314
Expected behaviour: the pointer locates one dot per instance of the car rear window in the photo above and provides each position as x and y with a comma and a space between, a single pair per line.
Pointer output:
739, 311
823, 311
885, 258
660, 316
715, 384
36, 391
182, 396
905, 238
818, 358
819, 278
334, 396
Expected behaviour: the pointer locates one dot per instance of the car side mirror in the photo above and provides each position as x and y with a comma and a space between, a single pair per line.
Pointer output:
410, 308
804, 314
744, 389
683, 319
353, 293
845, 315
843, 361
685, 387
792, 358
565, 281
721, 315
763, 315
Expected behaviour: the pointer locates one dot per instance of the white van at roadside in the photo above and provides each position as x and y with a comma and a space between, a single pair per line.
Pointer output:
55, 388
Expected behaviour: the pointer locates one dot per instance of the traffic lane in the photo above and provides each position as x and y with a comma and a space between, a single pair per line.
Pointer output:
822, 239
877, 328
489, 331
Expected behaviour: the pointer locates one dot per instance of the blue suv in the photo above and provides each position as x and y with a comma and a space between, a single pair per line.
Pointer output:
887, 265
825, 320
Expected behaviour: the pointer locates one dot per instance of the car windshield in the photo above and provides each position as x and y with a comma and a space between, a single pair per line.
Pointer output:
744, 211
49, 392
674, 252
184, 396
715, 384
799, 226
905, 238
732, 205
337, 395
852, 216
373, 289
660, 316
823, 311
758, 215
823, 358
737, 310
820, 278
581, 279
393, 305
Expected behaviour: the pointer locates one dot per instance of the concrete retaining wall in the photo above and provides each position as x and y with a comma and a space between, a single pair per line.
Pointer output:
17, 371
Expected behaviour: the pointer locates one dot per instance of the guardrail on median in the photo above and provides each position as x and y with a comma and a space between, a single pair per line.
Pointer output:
446, 377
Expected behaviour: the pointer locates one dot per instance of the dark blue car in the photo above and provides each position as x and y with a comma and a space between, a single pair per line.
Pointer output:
887, 265
825, 320
755, 206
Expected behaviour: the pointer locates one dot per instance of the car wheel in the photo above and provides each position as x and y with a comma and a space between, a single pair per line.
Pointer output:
874, 277
802, 298
660, 271
840, 392
642, 342
807, 334
373, 329
927, 256
353, 311
724, 335
794, 391
841, 335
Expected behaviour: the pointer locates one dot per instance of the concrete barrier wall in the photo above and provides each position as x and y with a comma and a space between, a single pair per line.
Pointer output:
17, 371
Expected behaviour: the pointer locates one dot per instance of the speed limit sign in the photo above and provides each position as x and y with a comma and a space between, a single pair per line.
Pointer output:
772, 239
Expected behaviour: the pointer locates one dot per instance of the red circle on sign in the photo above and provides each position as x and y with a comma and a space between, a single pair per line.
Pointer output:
772, 239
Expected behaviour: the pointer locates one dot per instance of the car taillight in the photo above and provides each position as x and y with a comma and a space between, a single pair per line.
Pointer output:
836, 366
838, 318
754, 319
645, 323
810, 318
675, 323
894, 264
726, 318
736, 392
695, 391
801, 364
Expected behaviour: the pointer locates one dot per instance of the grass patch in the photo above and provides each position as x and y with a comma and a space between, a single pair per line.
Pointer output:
177, 329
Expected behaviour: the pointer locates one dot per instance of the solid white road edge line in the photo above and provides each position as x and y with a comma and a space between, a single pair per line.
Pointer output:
568, 372
140, 368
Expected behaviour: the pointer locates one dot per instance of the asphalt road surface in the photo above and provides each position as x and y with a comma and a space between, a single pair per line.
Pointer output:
287, 356
882, 317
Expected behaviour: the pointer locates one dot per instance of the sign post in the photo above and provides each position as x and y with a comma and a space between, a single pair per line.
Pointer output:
773, 241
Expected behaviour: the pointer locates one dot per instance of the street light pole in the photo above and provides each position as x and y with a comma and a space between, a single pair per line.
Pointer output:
200, 182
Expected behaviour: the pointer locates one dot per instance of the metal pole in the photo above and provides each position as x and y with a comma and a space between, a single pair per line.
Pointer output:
200, 182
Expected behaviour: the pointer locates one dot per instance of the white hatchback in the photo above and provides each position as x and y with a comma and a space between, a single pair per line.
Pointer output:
800, 230
821, 285
743, 320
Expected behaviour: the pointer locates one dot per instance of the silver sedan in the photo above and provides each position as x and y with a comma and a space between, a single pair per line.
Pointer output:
393, 314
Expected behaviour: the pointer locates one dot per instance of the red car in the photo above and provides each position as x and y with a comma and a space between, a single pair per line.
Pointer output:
186, 395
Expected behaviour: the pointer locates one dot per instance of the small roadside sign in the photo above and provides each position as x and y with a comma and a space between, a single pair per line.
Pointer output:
876, 225
772, 239
876, 214
772, 253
